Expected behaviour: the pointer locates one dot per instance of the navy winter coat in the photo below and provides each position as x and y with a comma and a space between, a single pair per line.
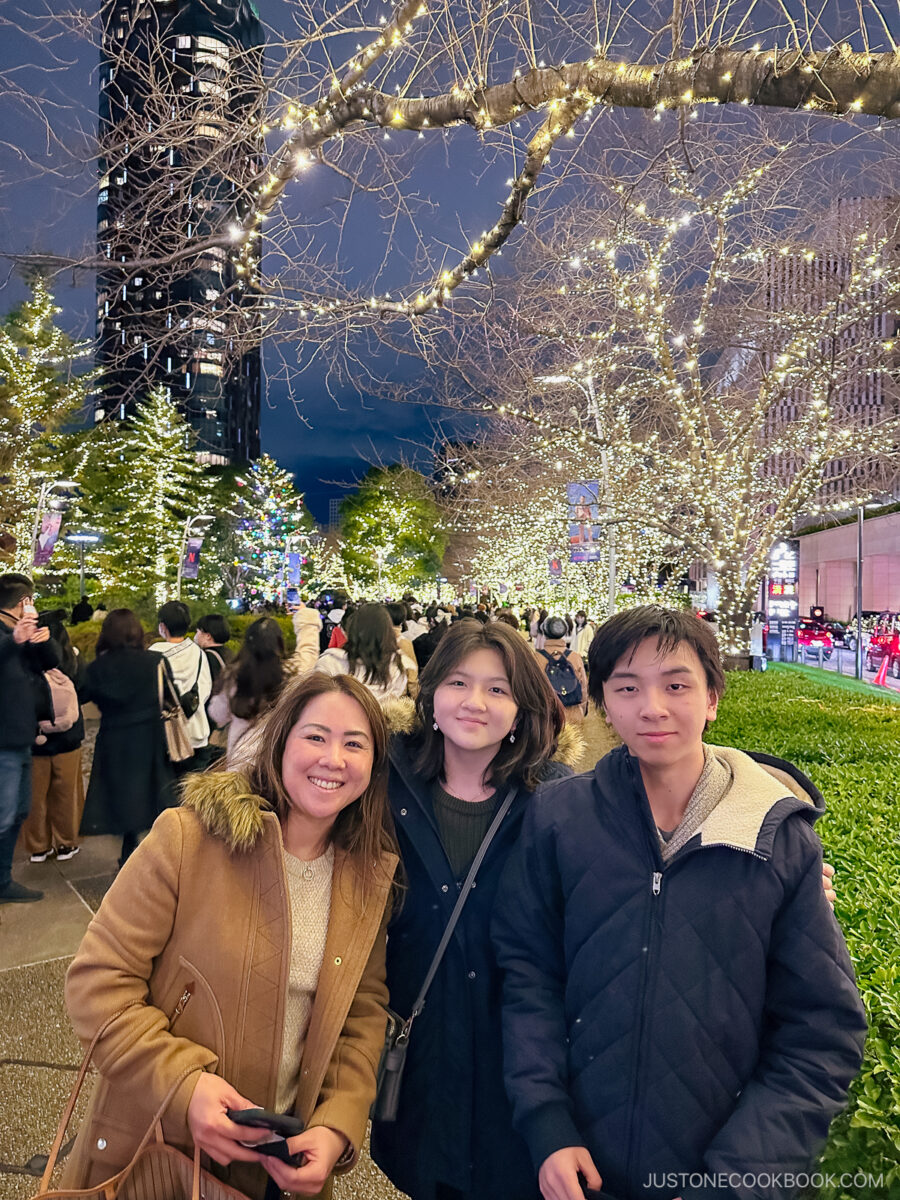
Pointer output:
25, 693
454, 1124
697, 1016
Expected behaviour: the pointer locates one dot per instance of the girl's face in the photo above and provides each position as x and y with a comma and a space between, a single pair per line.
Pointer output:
473, 705
328, 757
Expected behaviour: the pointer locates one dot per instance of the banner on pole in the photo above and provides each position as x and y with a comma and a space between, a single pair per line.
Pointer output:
586, 542
190, 568
50, 523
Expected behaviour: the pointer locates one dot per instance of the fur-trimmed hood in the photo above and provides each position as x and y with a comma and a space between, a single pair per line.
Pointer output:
226, 808
402, 718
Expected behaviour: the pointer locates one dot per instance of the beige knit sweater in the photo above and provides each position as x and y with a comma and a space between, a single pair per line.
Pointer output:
310, 889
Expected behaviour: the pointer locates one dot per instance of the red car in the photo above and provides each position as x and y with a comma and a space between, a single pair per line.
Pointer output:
885, 640
812, 636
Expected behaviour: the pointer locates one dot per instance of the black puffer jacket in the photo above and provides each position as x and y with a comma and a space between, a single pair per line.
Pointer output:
23, 691
698, 1016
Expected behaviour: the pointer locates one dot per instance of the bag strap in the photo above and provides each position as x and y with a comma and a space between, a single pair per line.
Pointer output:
504, 808
76, 1090
164, 680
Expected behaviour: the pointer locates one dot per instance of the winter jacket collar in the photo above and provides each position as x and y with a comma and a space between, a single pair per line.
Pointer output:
227, 808
764, 791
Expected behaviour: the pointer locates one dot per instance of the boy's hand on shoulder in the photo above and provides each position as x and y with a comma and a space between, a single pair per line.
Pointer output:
559, 1179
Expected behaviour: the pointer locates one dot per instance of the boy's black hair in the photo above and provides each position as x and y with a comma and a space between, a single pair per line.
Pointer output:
176, 617
398, 614
621, 635
13, 588
216, 626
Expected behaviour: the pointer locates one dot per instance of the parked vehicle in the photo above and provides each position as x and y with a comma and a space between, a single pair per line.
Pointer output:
839, 635
885, 642
812, 636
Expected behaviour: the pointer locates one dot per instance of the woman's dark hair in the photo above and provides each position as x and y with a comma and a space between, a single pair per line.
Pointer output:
507, 618
216, 626
372, 644
398, 614
365, 828
540, 719
621, 635
258, 670
53, 621
120, 630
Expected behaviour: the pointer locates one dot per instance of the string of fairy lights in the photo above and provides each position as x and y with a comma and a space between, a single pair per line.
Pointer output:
727, 461
837, 80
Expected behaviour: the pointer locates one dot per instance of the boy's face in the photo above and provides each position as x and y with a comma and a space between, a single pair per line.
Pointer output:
659, 704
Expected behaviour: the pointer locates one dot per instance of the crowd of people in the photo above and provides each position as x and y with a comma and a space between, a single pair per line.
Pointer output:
644, 985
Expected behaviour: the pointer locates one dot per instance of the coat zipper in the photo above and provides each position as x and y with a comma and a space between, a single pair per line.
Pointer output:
182, 1004
655, 890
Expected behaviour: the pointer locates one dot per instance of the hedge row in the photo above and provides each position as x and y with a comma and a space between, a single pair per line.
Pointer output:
848, 742
85, 635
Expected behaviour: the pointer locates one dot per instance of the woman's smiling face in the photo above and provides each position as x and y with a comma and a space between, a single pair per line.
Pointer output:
473, 705
328, 757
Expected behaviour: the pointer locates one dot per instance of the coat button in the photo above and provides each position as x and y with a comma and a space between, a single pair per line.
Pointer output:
471, 974
444, 888
101, 1143
337, 961
402, 812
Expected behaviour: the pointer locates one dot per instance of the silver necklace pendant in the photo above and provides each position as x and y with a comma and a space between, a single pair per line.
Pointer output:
307, 872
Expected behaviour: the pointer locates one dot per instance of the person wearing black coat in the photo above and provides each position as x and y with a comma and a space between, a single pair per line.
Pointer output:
57, 784
131, 776
25, 653
453, 1136
679, 1004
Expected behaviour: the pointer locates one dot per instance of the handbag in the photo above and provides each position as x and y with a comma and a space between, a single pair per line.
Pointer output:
157, 1171
178, 744
396, 1038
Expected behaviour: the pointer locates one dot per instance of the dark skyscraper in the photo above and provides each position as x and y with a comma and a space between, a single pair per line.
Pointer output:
180, 136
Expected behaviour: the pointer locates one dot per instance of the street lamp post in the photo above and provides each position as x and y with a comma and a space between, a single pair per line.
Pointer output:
81, 540
860, 516
188, 527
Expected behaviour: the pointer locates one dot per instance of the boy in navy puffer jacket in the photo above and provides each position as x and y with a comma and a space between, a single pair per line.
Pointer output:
680, 1013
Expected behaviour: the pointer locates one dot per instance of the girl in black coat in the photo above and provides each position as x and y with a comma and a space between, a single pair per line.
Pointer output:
131, 776
488, 721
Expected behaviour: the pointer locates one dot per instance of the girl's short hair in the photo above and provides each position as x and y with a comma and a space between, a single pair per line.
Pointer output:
365, 828
120, 630
541, 716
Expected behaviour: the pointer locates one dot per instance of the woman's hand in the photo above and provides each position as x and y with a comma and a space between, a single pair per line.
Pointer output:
322, 1147
210, 1127
560, 1175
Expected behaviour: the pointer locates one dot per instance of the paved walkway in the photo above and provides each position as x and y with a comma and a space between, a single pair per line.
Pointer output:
38, 1051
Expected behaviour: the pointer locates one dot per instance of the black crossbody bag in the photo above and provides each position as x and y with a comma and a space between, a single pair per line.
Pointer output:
396, 1041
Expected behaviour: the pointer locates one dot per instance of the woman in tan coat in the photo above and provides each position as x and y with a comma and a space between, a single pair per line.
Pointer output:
241, 951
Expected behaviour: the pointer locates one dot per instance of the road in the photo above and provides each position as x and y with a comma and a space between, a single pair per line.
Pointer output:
844, 663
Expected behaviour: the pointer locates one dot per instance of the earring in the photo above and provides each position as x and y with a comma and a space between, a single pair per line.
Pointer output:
434, 725
512, 736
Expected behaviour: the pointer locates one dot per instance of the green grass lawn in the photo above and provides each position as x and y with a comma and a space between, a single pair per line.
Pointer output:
846, 737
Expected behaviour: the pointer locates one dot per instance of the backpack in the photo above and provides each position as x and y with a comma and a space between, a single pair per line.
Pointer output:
64, 699
190, 700
562, 678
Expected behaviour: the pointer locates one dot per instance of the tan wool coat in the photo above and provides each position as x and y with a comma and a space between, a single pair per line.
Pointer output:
191, 947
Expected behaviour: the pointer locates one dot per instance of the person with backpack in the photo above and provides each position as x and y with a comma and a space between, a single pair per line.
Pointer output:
26, 651
57, 786
564, 669
213, 631
193, 681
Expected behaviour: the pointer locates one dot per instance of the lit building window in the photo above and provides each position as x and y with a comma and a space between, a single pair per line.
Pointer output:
208, 368
184, 42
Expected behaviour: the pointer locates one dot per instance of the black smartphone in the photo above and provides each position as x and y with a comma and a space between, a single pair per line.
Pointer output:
281, 1124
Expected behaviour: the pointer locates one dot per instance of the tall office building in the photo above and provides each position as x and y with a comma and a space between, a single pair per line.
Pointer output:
807, 283
177, 79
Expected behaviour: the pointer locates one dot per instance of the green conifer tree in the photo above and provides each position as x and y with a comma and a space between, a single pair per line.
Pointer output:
271, 522
39, 394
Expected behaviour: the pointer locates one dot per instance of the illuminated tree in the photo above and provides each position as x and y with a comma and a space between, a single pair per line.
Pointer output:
39, 395
271, 521
141, 484
734, 375
391, 532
